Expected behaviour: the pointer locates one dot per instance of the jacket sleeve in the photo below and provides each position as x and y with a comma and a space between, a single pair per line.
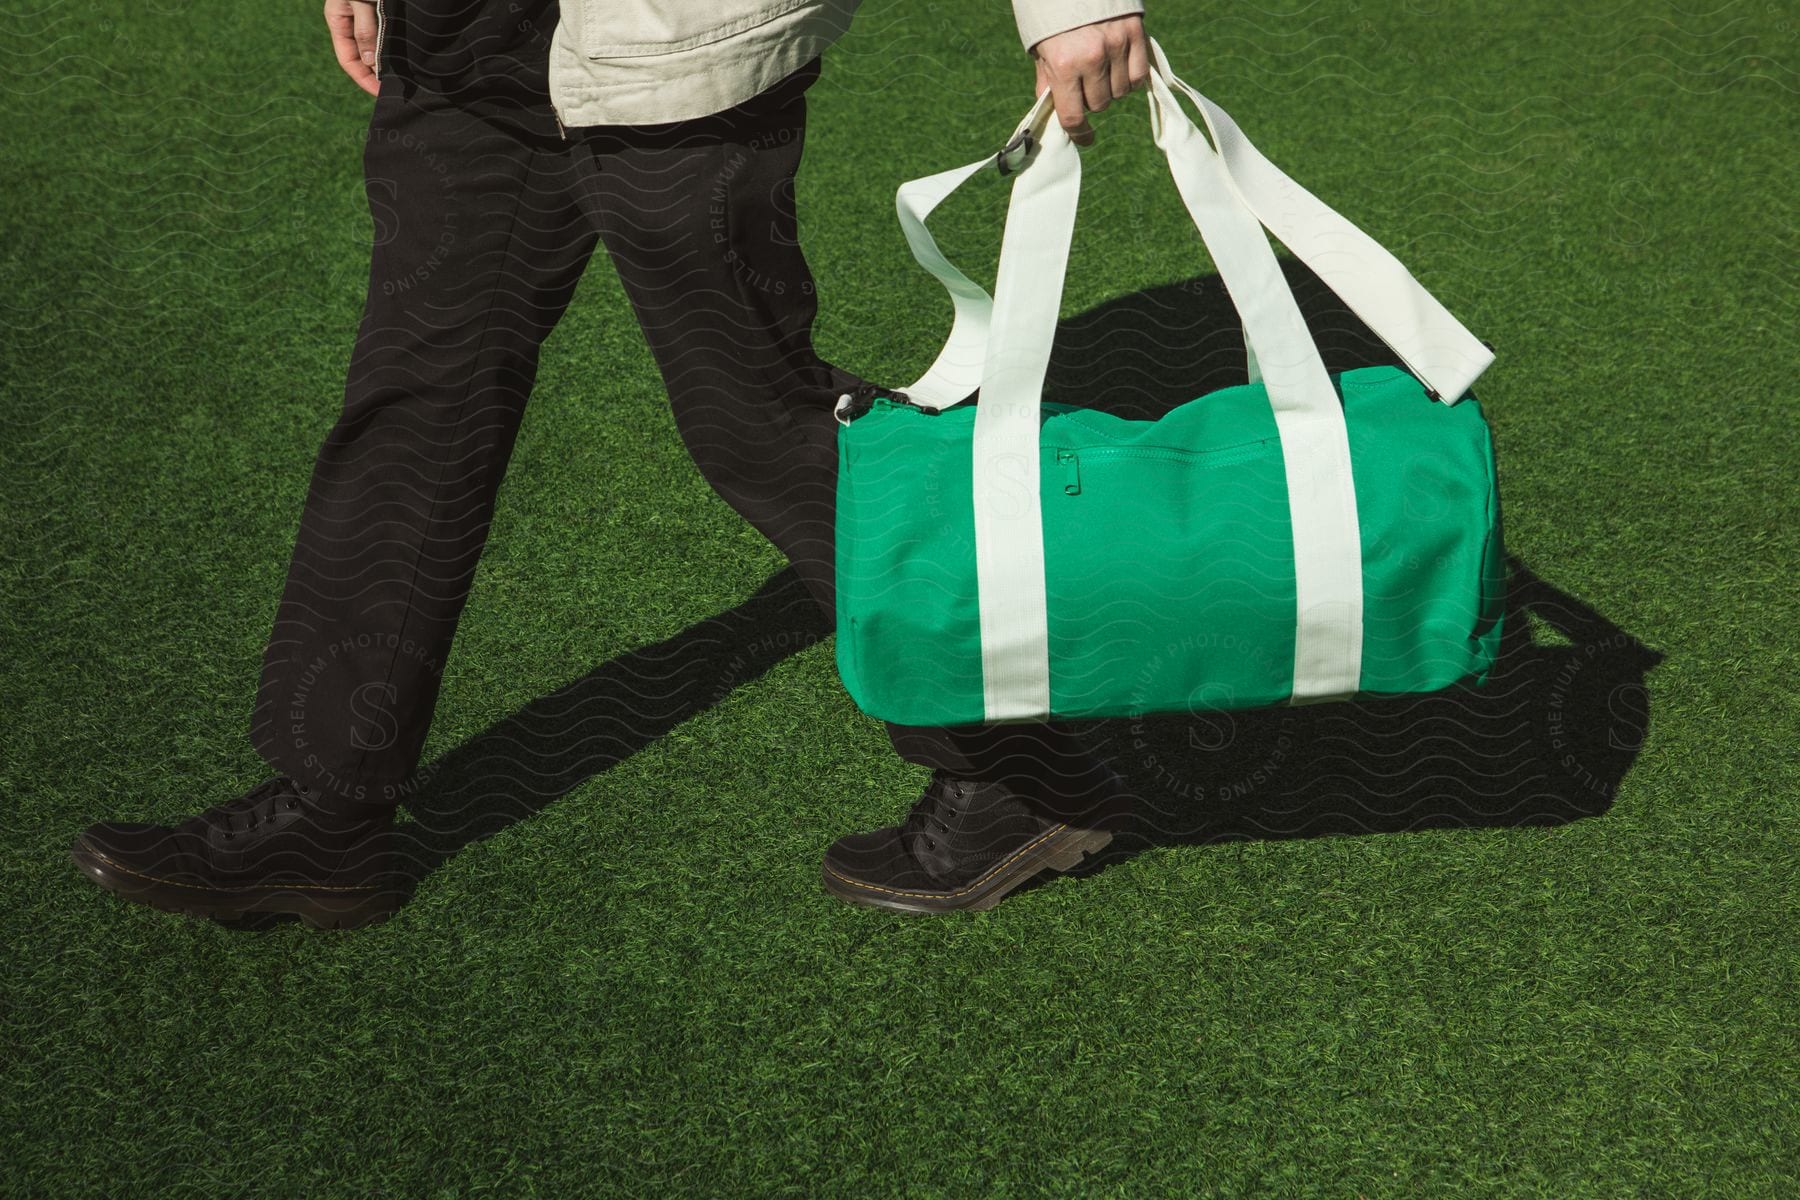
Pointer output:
1038, 19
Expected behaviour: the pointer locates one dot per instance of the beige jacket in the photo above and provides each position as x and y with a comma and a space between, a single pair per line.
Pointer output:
633, 62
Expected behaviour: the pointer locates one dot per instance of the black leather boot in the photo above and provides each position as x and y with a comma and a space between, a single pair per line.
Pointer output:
966, 843
275, 849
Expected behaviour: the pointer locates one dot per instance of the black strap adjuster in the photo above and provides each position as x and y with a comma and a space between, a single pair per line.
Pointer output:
1022, 139
860, 399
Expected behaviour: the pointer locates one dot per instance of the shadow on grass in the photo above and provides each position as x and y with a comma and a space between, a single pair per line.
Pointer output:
1546, 741
522, 764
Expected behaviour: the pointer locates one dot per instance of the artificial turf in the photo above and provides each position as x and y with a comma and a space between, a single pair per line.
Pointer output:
1540, 942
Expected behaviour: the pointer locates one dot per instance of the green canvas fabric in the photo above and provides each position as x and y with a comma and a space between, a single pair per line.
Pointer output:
1168, 553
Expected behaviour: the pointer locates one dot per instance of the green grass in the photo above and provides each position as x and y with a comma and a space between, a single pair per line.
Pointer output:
1532, 971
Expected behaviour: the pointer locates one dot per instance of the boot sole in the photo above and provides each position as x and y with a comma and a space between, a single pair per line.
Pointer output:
320, 907
1060, 850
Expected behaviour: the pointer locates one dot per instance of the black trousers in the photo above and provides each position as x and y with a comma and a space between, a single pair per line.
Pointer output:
485, 216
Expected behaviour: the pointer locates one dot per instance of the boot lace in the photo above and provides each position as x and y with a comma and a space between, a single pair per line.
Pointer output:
924, 821
259, 804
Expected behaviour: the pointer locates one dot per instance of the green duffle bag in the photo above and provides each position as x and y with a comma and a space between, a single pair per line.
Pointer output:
1298, 538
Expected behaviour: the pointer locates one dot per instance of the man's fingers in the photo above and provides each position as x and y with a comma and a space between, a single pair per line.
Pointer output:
365, 32
1090, 66
347, 21
1070, 112
1119, 76
1137, 62
1118, 72
343, 42
1096, 87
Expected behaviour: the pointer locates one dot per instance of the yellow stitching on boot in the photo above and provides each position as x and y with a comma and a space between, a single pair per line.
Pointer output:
317, 887
963, 891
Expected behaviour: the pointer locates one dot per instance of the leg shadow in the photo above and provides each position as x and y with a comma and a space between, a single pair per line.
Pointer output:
522, 764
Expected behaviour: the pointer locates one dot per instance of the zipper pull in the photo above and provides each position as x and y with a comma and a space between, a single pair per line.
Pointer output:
1071, 465
560, 131
900, 397
853, 404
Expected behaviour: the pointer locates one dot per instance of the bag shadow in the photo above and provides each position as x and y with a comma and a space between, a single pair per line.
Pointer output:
1142, 354
1546, 740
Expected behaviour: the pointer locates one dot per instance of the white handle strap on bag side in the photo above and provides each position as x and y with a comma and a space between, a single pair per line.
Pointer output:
1315, 446
957, 371
1003, 345
1009, 521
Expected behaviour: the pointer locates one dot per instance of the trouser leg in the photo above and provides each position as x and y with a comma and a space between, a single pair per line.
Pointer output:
478, 245
699, 218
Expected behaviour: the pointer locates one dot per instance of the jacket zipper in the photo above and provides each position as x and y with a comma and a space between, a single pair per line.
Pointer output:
380, 30
560, 131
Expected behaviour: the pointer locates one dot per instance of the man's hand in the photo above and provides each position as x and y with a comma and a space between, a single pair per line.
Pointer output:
1089, 67
352, 25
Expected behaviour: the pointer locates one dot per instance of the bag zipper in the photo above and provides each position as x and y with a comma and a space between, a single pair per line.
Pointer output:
855, 403
1070, 458
1071, 465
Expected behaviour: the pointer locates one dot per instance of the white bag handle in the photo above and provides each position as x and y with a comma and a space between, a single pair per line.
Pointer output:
1315, 445
1371, 282
1445, 356
957, 370
1003, 344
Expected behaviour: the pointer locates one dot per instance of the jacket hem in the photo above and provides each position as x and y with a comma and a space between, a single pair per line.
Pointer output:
696, 82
